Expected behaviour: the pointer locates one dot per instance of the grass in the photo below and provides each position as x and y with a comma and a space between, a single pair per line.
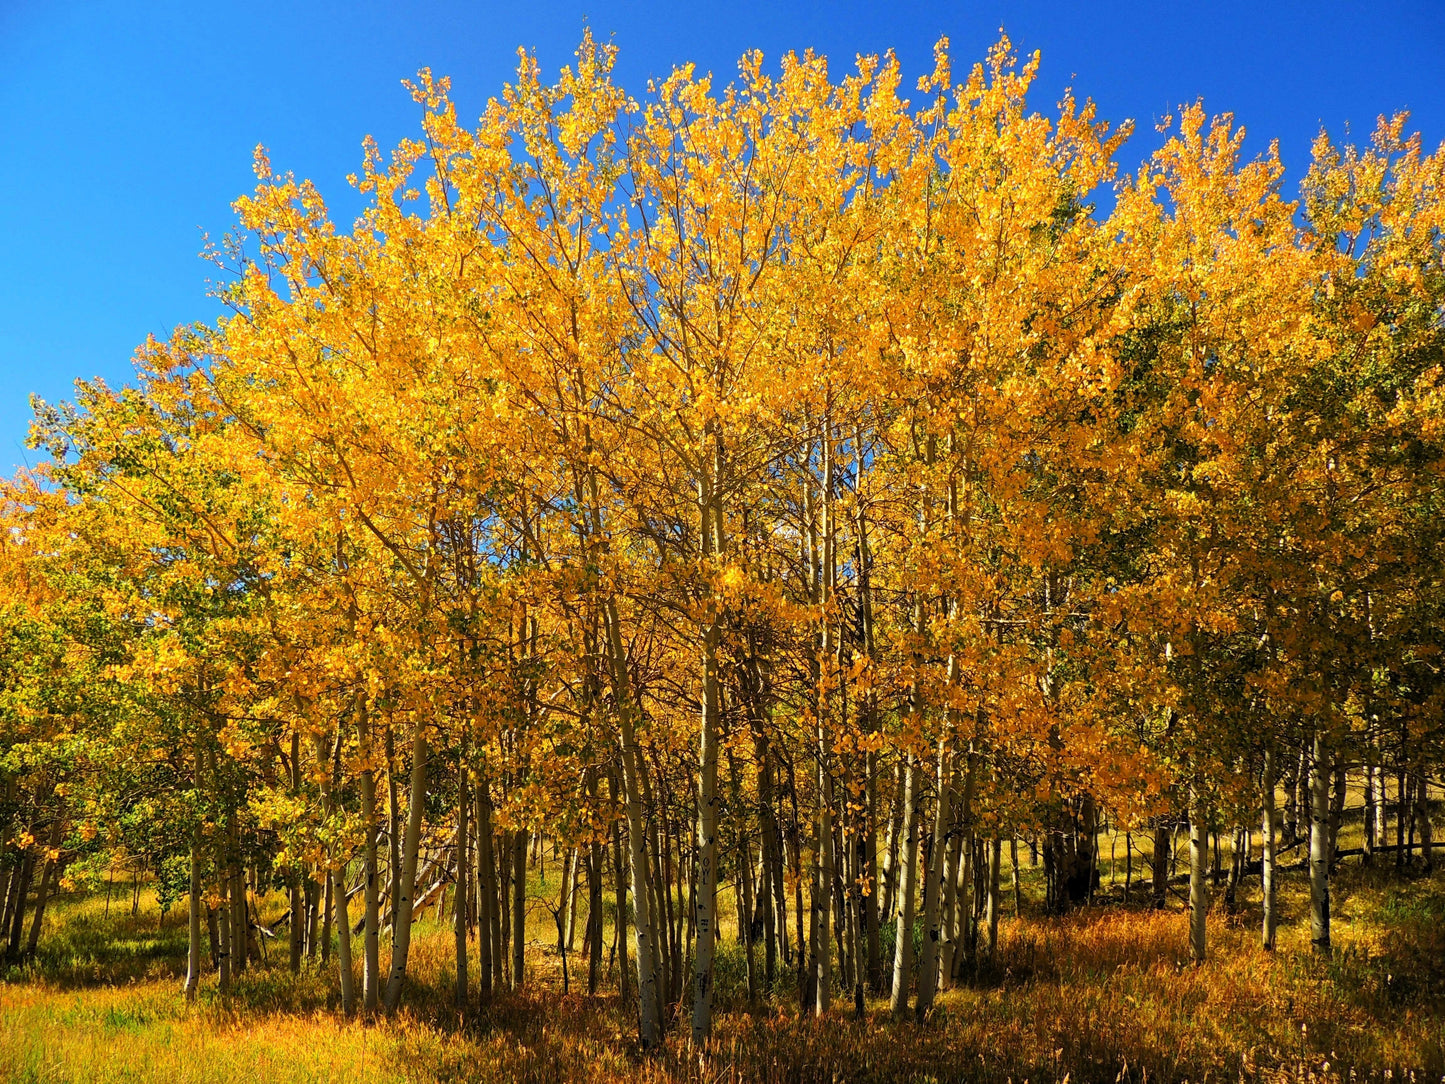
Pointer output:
1103, 994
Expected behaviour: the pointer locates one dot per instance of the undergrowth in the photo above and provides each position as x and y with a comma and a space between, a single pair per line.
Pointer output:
1104, 994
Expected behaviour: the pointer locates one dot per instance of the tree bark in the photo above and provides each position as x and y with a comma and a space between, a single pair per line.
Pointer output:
933, 883
1337, 806
1319, 780
343, 939
193, 930
49, 877
822, 892
393, 828
25, 875
1267, 866
371, 921
594, 917
891, 848
619, 869
1198, 884
223, 957
520, 839
991, 907
405, 884
908, 862
1159, 886
649, 1006
1427, 834
488, 922
297, 931
459, 922
328, 911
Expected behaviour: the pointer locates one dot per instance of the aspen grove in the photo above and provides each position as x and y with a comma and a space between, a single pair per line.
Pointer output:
779, 504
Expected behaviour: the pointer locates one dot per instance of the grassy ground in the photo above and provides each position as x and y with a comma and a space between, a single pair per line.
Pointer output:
1104, 994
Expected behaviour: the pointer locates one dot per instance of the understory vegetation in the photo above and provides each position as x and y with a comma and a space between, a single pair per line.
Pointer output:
1105, 993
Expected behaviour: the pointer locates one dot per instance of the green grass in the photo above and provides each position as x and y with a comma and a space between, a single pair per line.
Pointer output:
1102, 994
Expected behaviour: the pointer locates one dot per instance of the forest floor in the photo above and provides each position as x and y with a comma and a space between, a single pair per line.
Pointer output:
1106, 993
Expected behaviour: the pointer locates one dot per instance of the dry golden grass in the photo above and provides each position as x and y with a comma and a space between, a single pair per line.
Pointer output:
1103, 994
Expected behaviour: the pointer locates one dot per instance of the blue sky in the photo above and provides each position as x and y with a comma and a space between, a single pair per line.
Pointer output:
127, 128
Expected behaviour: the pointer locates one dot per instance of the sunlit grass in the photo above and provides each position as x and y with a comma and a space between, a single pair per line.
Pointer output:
1105, 993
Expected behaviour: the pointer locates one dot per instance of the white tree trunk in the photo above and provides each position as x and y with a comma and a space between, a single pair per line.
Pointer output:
908, 876
1267, 830
1319, 780
932, 894
193, 947
1198, 883
406, 882
343, 939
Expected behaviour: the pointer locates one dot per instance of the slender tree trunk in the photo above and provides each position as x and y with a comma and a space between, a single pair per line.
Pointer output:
822, 893
1382, 803
744, 886
459, 924
193, 944
193, 903
666, 889
571, 878
371, 920
1160, 871
908, 863
870, 877
1427, 834
933, 883
1198, 885
1013, 852
1267, 830
12, 886
328, 910
393, 829
48, 878
1319, 846
10, 860
1410, 801
1236, 868
710, 510
405, 882
890, 852
773, 900
335, 893
1400, 793
800, 950
17, 918
223, 957
1303, 800
488, 924
297, 931
619, 868
1368, 846
991, 906
1337, 806
869, 873
519, 907
343, 939
952, 927
566, 893
649, 1005
240, 915
594, 918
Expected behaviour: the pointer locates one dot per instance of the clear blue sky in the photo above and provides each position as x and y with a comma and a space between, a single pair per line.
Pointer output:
126, 128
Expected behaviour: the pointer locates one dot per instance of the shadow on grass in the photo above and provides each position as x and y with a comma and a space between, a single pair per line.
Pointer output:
81, 946
1104, 994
